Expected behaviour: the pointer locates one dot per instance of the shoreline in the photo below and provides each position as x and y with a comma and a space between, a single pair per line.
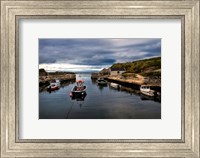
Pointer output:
122, 82
133, 83
44, 80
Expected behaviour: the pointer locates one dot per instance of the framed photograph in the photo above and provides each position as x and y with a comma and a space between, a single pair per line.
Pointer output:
100, 78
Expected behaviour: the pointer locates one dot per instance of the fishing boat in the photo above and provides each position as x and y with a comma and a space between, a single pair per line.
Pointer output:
54, 85
101, 82
78, 90
147, 93
146, 90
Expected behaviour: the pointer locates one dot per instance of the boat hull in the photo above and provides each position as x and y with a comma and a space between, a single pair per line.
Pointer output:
78, 93
53, 88
150, 94
101, 82
54, 85
147, 97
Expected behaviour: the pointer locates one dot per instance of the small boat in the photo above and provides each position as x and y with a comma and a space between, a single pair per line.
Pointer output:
146, 90
101, 82
156, 97
115, 85
57, 82
79, 97
54, 85
79, 90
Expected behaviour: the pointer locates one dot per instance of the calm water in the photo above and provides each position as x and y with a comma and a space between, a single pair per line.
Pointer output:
111, 102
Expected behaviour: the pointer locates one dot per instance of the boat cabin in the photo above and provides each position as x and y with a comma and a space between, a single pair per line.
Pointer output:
80, 83
145, 88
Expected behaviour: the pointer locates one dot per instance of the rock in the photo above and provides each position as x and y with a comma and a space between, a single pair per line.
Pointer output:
45, 78
42, 72
95, 75
105, 72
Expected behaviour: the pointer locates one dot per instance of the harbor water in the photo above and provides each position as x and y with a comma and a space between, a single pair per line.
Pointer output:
101, 102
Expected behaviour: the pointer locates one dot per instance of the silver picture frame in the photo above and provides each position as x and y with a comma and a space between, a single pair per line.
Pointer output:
13, 11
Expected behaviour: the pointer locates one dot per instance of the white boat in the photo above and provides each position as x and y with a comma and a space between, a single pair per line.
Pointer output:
115, 86
54, 85
57, 82
146, 90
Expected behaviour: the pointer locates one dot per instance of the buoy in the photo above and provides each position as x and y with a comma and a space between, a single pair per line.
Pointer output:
71, 94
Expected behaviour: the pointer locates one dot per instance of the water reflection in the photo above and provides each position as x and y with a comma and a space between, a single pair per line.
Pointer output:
99, 102
131, 91
155, 98
93, 81
118, 87
79, 97
67, 83
78, 100
100, 86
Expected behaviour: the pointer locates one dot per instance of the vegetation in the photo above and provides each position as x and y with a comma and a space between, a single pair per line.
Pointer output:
60, 73
127, 74
151, 74
126, 66
146, 67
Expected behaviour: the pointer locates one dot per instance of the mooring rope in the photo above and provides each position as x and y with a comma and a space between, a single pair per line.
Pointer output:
69, 110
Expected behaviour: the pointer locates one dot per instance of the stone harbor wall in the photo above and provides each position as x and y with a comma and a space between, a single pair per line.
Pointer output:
45, 77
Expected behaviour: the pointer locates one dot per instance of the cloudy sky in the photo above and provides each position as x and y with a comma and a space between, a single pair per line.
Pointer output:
78, 55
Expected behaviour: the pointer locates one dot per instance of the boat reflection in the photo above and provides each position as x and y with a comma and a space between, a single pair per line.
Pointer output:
129, 90
101, 87
93, 81
121, 88
67, 83
156, 98
79, 97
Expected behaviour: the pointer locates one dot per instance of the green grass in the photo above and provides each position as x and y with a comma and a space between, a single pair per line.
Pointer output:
127, 74
144, 67
151, 74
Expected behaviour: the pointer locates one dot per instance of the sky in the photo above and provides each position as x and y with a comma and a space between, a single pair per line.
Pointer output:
89, 55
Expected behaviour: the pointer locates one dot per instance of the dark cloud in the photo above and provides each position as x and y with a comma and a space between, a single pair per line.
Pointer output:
96, 51
47, 60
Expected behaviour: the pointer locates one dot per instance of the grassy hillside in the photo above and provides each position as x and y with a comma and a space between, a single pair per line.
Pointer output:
146, 67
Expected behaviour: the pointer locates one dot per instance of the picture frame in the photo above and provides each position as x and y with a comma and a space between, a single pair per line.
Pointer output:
12, 11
